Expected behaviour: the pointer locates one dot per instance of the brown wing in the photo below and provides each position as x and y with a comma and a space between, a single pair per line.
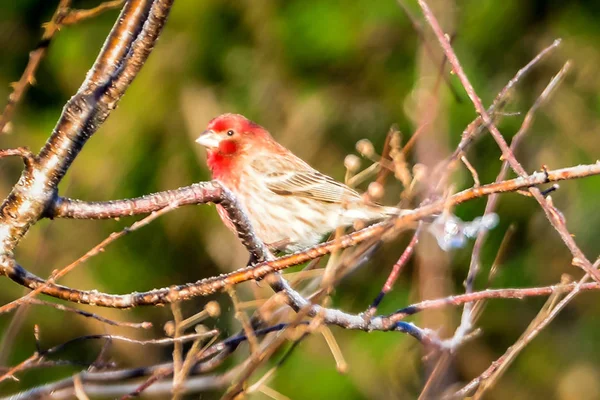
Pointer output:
293, 177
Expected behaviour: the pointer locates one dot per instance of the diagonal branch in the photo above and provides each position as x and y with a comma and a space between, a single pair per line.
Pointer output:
126, 49
492, 200
198, 193
579, 259
63, 16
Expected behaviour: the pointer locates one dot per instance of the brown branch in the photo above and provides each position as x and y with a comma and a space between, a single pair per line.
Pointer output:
199, 193
23, 152
35, 57
126, 49
395, 273
456, 66
205, 361
263, 353
41, 355
120, 375
138, 325
74, 16
214, 284
99, 248
385, 322
161, 389
507, 89
492, 200
508, 293
535, 328
63, 16
475, 128
106, 379
579, 258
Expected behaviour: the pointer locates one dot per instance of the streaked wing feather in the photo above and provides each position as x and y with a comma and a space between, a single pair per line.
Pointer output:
288, 177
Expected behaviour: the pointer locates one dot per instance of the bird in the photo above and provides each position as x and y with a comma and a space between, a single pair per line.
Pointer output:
290, 205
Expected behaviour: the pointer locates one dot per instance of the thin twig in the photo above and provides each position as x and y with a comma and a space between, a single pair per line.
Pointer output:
507, 293
395, 273
23, 152
474, 266
75, 16
476, 127
63, 16
137, 325
527, 337
99, 248
39, 356
579, 258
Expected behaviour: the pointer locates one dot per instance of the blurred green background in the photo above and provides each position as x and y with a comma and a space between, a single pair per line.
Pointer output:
320, 75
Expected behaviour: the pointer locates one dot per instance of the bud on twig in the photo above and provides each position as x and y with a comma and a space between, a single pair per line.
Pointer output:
365, 147
376, 190
352, 163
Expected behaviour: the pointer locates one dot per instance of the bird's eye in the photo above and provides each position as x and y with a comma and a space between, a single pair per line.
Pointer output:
230, 132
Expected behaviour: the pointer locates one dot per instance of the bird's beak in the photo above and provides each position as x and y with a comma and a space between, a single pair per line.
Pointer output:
209, 139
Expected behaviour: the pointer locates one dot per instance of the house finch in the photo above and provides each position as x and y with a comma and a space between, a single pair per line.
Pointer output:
290, 204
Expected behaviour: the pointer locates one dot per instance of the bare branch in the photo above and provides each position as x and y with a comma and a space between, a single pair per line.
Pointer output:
91, 253
395, 273
475, 128
198, 193
500, 364
142, 325
39, 356
579, 258
127, 47
492, 200
214, 284
23, 152
74, 16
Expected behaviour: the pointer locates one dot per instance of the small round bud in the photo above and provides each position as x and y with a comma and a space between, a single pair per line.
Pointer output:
213, 309
8, 128
352, 163
200, 329
565, 279
419, 171
375, 190
365, 147
169, 328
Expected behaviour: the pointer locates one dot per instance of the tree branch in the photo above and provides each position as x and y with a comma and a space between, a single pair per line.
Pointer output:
123, 54
63, 16
198, 193
579, 259
211, 285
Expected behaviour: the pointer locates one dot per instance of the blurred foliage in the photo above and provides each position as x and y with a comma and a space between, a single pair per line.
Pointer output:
320, 75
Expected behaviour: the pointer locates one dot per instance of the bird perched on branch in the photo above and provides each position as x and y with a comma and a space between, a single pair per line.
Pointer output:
290, 204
